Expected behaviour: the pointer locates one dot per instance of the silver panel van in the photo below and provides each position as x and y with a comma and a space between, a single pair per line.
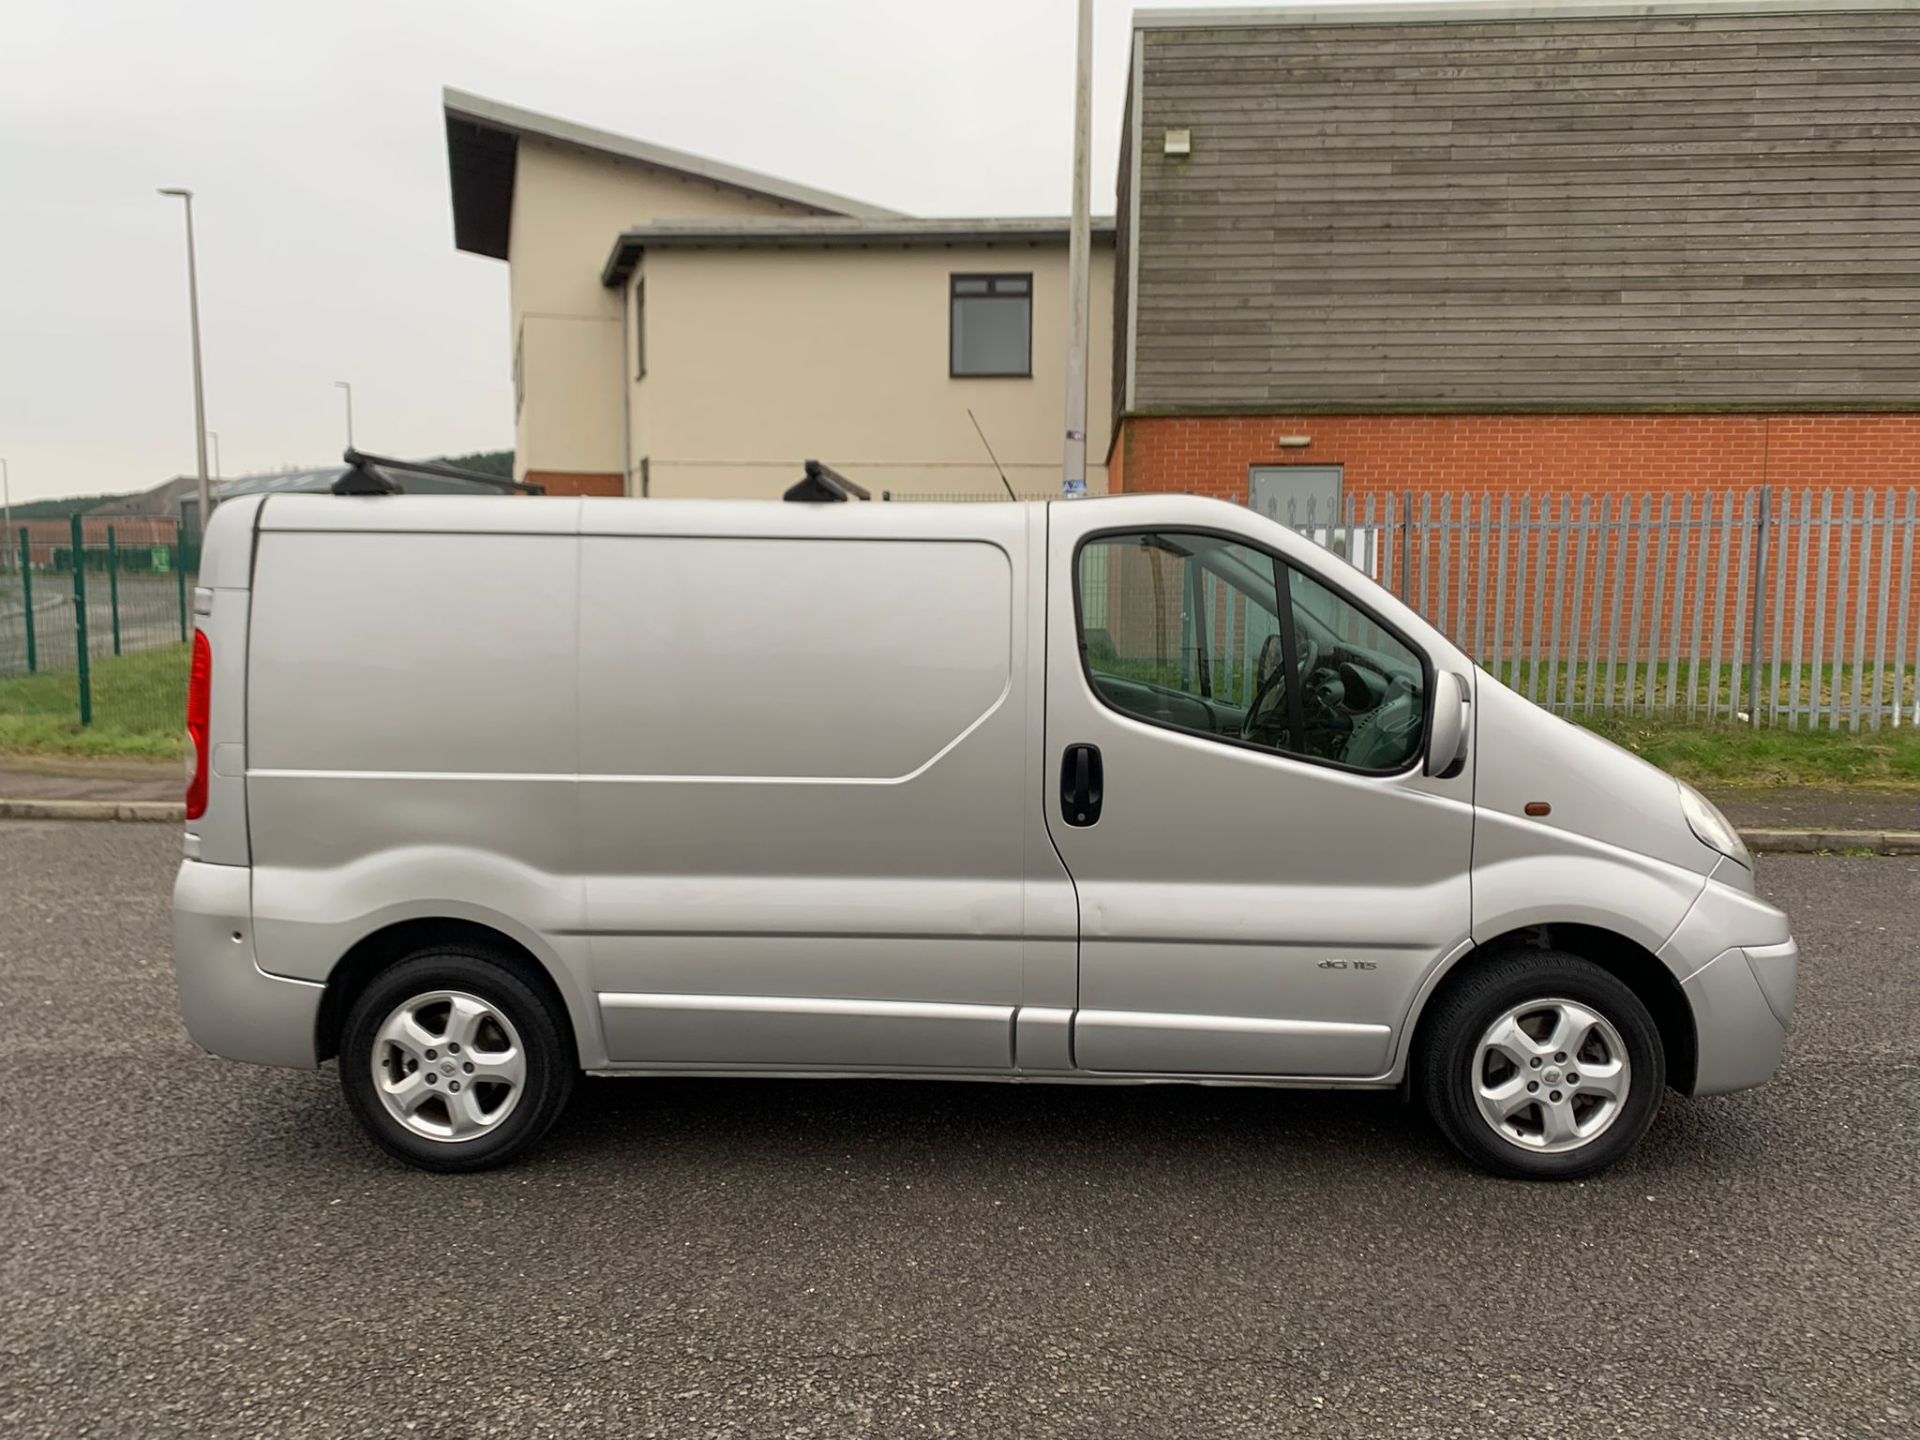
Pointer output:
489, 792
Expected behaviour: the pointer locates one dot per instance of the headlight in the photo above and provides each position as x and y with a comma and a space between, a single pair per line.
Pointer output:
1712, 828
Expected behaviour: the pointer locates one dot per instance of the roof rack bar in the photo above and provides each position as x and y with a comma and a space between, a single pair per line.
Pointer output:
366, 475
822, 484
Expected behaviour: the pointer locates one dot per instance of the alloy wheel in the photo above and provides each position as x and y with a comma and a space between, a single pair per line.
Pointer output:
448, 1065
1551, 1075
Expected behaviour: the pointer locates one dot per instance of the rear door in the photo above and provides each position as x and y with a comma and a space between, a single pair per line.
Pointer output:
1234, 781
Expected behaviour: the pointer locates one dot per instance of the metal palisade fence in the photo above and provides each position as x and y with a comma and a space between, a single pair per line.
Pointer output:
1767, 606
1774, 606
1792, 607
94, 629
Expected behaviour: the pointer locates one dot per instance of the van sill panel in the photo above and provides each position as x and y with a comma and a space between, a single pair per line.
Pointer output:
759, 1030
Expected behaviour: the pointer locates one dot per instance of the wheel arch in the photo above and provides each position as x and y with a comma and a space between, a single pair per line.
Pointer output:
385, 947
1628, 961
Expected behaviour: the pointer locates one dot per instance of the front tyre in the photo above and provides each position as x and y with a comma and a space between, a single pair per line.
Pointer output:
1541, 1065
452, 1062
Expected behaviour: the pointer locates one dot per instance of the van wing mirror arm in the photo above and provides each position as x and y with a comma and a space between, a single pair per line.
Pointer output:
1452, 725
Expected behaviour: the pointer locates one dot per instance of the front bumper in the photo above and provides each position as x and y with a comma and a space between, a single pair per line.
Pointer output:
1740, 1033
1738, 966
232, 1007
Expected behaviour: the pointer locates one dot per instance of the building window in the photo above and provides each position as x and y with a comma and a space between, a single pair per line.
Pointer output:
991, 333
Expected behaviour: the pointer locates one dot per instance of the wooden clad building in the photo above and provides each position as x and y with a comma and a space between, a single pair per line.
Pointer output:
1488, 246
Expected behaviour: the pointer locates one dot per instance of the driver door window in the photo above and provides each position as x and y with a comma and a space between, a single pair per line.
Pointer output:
1190, 631
1180, 629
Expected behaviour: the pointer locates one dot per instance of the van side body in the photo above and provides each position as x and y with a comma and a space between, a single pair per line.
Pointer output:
787, 789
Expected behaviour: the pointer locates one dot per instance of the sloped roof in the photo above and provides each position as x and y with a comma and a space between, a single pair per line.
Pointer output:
817, 232
483, 143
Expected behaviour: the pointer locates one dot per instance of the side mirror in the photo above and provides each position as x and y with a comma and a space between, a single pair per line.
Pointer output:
1452, 725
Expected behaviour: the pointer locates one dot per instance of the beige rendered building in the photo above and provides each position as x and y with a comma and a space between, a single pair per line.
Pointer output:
681, 327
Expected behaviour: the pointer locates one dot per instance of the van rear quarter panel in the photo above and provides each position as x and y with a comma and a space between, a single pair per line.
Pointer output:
413, 752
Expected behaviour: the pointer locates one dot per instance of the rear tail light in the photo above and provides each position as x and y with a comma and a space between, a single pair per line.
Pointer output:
199, 712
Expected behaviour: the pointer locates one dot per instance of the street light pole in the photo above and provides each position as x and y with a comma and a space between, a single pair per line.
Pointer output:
1073, 470
205, 491
342, 384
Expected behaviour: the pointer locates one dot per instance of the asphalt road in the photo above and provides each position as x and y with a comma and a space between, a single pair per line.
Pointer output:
194, 1247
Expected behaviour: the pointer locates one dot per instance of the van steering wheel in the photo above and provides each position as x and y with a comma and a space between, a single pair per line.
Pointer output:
1272, 689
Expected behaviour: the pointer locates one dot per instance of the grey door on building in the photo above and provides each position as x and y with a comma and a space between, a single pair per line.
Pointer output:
1312, 491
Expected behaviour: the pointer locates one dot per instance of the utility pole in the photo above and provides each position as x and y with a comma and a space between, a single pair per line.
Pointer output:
199, 390
343, 385
1073, 472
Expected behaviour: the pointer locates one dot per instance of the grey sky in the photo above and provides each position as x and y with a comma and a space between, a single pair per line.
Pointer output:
311, 134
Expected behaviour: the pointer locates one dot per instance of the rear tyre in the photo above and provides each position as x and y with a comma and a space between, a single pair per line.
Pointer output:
1541, 1065
452, 1062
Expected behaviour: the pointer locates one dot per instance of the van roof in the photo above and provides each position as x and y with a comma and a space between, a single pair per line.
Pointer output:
487, 515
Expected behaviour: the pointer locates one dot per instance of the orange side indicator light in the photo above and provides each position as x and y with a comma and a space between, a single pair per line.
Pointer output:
1539, 807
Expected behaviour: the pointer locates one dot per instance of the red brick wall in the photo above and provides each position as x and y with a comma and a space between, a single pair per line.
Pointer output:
576, 482
1626, 457
1541, 454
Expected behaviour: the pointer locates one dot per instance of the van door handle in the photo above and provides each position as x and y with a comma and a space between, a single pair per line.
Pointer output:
1081, 783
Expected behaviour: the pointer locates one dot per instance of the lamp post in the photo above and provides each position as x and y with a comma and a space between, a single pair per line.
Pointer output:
1073, 470
199, 391
344, 385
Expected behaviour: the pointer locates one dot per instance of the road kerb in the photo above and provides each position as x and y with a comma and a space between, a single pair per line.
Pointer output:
163, 811
1816, 842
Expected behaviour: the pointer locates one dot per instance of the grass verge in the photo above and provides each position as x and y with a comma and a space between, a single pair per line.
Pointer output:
1738, 757
139, 709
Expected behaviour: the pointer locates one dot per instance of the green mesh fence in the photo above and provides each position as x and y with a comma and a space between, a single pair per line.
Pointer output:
94, 620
